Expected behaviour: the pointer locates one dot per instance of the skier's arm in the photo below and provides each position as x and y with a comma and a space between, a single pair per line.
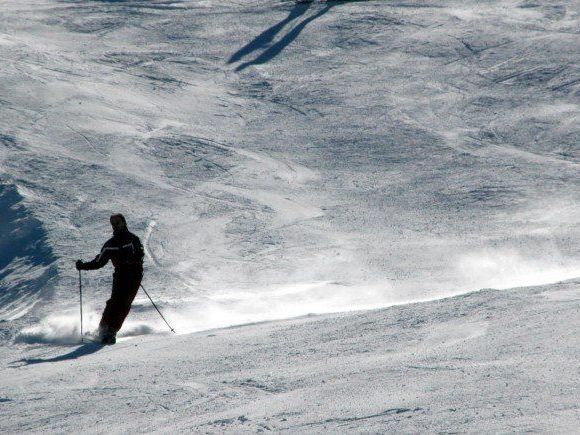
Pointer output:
99, 261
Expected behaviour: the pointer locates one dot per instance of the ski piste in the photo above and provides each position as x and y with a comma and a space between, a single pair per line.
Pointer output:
378, 153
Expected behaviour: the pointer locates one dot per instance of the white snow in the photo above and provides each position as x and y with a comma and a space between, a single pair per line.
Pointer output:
285, 160
492, 361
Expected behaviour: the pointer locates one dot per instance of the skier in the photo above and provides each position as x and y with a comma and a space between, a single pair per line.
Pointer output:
126, 253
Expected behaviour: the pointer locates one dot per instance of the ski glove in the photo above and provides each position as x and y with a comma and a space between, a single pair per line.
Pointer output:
79, 264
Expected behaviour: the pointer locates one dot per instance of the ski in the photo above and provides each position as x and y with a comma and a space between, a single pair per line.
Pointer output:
85, 338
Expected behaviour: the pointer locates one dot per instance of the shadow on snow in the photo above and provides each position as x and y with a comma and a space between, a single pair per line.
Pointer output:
264, 41
26, 259
85, 349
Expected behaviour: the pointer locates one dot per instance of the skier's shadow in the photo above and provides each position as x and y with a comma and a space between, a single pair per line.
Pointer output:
85, 349
264, 40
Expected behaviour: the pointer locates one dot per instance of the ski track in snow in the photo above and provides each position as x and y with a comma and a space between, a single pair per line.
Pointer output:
313, 157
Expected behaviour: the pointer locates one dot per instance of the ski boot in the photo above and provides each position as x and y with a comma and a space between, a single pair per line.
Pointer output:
108, 336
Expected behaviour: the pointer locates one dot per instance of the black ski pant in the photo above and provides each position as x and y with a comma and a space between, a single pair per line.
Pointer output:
125, 286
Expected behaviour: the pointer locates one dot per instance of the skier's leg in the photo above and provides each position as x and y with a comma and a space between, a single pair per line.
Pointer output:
125, 287
110, 311
131, 286
106, 333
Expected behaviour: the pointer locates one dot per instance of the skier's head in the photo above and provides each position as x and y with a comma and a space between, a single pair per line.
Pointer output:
118, 223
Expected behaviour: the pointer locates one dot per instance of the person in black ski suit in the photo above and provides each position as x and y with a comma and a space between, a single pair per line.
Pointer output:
126, 253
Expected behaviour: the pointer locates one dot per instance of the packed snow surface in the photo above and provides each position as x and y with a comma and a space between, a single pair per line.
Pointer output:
486, 362
282, 159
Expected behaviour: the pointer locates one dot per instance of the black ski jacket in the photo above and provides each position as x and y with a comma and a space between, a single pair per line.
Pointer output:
124, 250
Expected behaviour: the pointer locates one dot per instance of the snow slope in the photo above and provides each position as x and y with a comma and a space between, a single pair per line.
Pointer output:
278, 160
25, 257
486, 362
312, 157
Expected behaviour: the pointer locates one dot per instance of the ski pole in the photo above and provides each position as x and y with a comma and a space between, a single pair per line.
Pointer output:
172, 330
81, 296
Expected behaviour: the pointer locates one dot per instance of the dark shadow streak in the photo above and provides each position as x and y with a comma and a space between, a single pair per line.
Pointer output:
267, 36
83, 350
275, 49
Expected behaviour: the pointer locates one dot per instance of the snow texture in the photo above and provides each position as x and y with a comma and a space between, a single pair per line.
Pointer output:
487, 362
284, 160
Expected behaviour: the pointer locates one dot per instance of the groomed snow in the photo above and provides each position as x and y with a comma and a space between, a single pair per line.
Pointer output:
486, 362
285, 160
